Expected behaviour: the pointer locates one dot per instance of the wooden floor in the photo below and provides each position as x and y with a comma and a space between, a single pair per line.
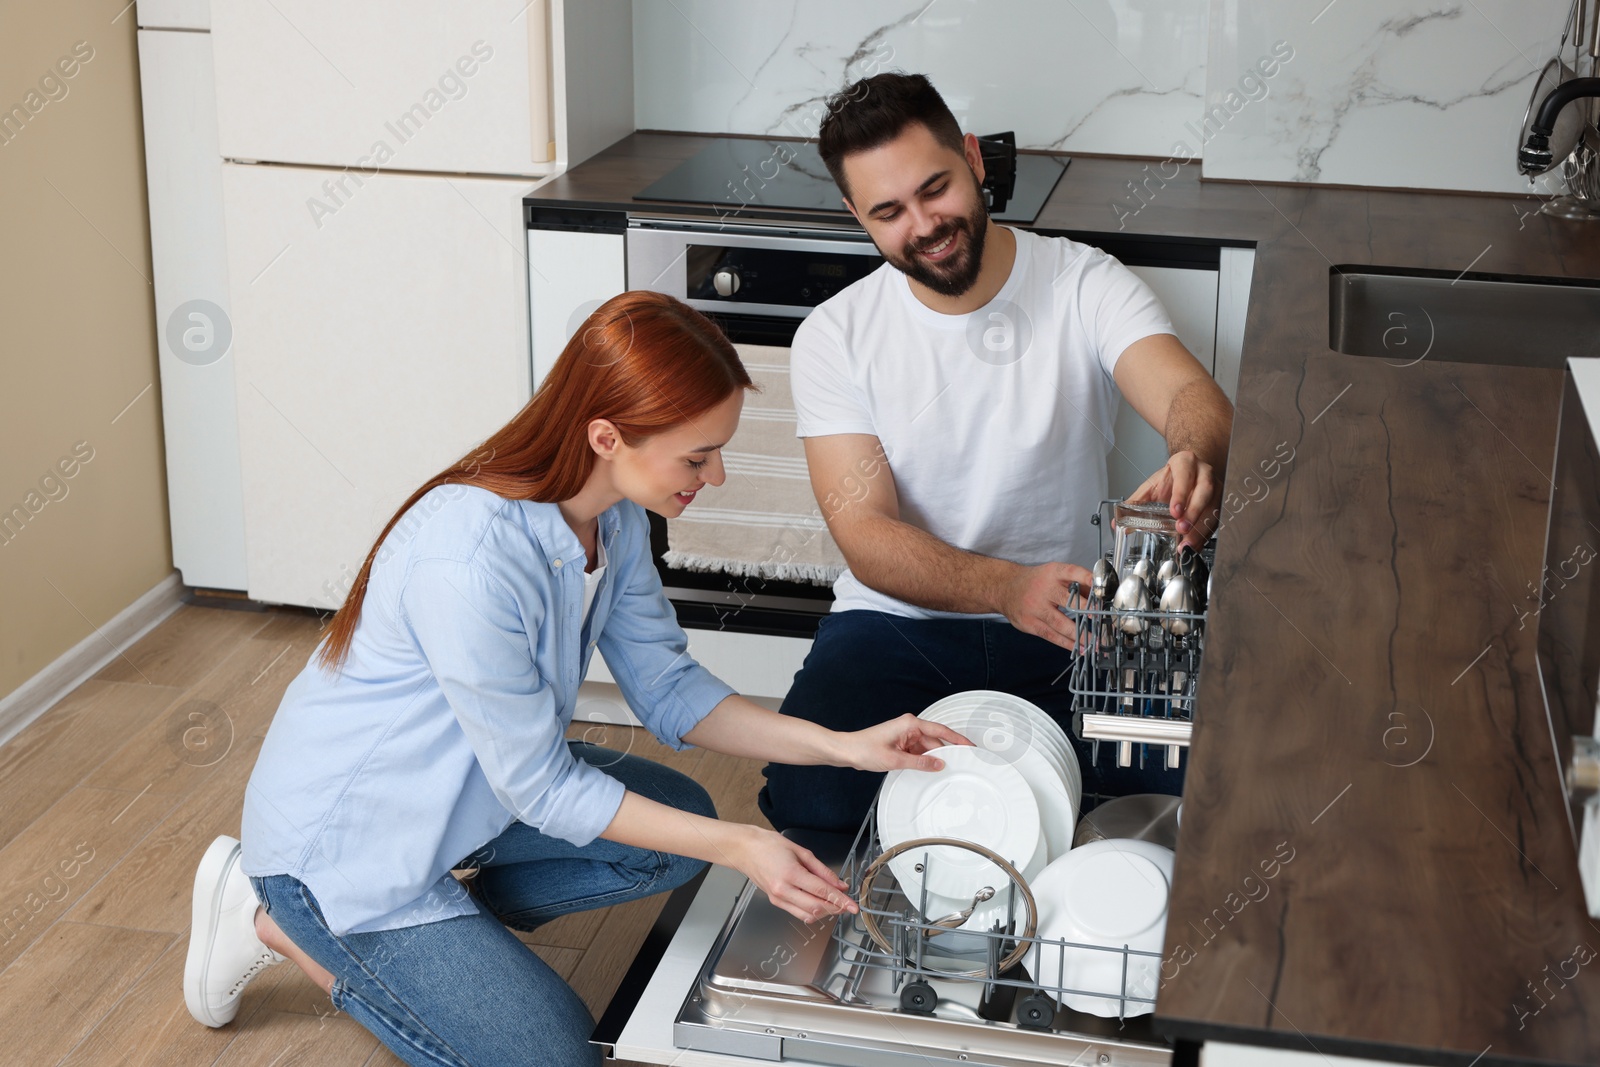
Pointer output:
108, 801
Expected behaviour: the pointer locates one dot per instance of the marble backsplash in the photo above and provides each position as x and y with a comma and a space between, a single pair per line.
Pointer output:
1373, 92
1118, 76
1413, 93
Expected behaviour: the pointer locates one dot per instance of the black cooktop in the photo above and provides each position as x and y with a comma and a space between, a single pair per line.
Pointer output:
736, 173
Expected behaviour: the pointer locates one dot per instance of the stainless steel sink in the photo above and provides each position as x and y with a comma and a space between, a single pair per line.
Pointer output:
1404, 316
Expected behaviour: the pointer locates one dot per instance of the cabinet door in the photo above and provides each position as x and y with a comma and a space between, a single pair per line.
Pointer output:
415, 85
374, 347
200, 426
569, 275
174, 15
1190, 297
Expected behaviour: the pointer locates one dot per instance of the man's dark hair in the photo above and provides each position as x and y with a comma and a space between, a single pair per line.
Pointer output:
874, 111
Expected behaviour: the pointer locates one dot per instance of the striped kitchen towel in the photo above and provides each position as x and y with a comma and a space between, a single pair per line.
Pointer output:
763, 521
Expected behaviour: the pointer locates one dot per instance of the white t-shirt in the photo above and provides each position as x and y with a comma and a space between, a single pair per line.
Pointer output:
996, 424
591, 579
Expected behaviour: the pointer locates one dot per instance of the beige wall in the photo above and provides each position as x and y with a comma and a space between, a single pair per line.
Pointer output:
77, 335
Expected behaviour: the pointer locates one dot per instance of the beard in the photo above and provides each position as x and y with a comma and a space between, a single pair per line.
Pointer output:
957, 274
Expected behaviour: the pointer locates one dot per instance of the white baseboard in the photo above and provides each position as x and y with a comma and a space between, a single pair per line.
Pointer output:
40, 693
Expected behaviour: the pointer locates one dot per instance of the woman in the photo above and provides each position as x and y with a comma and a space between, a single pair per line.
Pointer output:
427, 734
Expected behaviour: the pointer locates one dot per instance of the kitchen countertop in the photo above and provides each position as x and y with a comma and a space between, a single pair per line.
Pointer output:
1371, 732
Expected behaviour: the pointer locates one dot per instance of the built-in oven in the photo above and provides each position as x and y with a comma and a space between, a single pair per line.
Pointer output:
758, 282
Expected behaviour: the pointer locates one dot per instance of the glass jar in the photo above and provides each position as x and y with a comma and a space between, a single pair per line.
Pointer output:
1143, 533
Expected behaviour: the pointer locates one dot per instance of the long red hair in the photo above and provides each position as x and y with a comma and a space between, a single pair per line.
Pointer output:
644, 361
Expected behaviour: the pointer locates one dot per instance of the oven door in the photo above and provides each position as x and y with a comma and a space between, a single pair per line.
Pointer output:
758, 284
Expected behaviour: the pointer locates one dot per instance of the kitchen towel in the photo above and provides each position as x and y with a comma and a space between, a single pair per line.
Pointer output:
763, 521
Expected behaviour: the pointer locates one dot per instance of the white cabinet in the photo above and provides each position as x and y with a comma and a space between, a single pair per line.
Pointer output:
173, 15
1207, 309
193, 326
570, 273
374, 347
377, 310
423, 85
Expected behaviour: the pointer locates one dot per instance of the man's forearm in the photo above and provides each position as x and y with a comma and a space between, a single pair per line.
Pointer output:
1200, 420
912, 565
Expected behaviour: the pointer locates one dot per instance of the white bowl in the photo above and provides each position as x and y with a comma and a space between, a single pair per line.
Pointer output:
1111, 894
977, 797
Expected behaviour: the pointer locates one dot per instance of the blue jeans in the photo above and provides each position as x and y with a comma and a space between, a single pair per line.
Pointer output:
866, 667
464, 991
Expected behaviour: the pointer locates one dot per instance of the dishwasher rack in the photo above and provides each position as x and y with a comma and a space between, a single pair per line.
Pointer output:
914, 992
894, 936
1134, 673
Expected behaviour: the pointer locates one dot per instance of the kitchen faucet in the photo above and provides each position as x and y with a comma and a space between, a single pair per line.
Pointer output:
1534, 157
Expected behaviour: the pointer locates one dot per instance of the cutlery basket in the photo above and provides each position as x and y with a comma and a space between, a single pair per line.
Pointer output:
1134, 673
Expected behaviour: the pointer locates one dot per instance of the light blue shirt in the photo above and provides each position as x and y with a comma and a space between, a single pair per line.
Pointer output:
448, 720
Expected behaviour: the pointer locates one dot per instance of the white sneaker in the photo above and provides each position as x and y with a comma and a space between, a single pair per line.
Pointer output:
225, 954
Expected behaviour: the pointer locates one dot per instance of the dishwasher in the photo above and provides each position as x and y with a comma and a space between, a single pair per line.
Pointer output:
729, 978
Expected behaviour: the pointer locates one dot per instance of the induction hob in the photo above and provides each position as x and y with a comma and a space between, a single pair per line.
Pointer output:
736, 173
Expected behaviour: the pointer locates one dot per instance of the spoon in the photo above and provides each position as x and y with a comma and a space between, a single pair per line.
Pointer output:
1132, 596
1166, 572
951, 922
1177, 602
1104, 578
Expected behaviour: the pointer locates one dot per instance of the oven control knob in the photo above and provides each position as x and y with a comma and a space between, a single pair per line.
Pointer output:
726, 282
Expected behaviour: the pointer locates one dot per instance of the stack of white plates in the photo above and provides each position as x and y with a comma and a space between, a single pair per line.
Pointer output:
1022, 735
1016, 793
978, 797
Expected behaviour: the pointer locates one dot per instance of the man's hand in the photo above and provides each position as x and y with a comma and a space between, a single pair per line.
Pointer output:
1187, 483
1032, 600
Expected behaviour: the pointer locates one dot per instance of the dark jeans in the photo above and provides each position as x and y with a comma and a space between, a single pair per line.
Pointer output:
867, 667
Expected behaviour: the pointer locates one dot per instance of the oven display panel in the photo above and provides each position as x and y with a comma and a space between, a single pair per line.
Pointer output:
770, 275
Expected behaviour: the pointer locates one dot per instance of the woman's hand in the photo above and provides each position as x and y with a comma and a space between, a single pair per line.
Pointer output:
793, 878
898, 744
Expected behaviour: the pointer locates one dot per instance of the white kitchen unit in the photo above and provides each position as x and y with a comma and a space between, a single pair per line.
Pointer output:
1224, 1054
501, 87
173, 15
372, 351
357, 96
376, 156
756, 665
592, 269
193, 326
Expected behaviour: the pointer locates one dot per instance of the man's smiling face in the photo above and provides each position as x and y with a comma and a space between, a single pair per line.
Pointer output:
922, 204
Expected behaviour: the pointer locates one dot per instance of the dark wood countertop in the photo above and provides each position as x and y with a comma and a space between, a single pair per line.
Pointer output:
1370, 707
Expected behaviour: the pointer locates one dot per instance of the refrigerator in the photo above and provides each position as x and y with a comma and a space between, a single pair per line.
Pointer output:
370, 160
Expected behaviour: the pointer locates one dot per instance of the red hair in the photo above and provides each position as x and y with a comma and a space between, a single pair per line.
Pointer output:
643, 361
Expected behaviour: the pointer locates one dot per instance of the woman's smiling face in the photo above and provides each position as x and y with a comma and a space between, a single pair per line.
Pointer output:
664, 471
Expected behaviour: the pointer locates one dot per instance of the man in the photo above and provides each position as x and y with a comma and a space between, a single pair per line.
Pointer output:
973, 380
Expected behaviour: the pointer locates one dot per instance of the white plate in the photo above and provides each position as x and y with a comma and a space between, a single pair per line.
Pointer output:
1039, 727
1110, 894
978, 797
983, 712
1057, 811
1032, 723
